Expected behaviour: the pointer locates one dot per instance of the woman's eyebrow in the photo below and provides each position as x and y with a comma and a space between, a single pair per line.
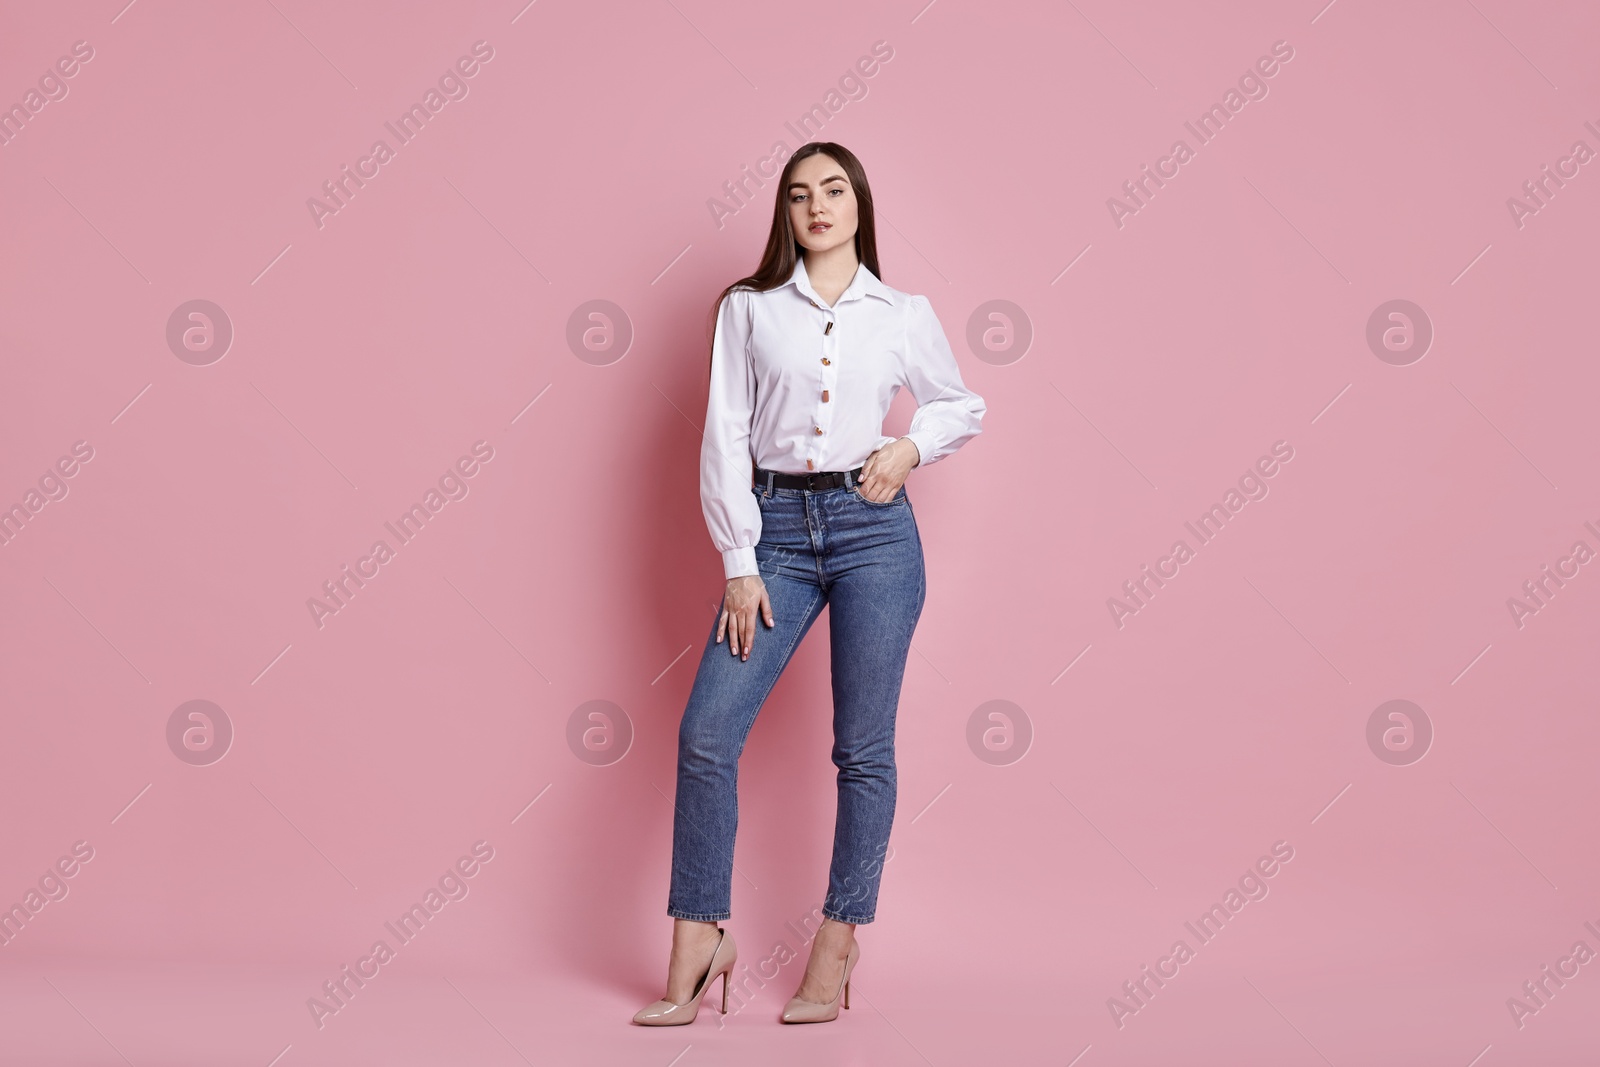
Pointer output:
802, 185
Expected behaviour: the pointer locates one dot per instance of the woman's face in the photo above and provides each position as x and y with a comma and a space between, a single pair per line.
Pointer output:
820, 195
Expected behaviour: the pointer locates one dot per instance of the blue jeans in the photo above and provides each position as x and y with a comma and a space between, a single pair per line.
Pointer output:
864, 560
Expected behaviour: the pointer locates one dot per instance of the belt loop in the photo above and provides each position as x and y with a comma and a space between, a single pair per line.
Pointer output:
849, 479
769, 483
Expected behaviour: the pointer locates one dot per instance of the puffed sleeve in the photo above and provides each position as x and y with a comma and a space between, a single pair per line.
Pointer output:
732, 515
948, 414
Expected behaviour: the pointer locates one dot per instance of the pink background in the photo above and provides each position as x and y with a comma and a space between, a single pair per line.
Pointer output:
432, 311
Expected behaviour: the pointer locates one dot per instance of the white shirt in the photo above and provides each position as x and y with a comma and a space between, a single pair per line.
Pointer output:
798, 395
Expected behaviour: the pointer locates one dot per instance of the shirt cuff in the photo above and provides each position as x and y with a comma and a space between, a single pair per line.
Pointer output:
925, 445
738, 562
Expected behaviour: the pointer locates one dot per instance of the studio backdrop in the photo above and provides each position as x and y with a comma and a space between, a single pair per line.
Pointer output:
354, 574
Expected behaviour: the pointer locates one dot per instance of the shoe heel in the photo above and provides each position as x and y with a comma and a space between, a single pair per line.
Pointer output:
847, 992
725, 975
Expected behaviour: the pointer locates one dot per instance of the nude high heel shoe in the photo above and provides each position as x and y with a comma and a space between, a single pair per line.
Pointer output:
667, 1013
806, 1011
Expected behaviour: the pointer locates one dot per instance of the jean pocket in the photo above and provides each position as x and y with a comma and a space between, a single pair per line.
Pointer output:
898, 500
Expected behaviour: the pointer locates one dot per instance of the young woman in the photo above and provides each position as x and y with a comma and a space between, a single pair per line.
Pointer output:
805, 499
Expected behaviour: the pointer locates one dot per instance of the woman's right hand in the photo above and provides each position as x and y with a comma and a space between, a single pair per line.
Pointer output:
743, 596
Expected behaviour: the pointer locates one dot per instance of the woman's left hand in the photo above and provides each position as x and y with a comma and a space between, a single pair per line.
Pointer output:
885, 470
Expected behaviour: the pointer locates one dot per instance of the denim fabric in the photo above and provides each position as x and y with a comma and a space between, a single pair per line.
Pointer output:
864, 560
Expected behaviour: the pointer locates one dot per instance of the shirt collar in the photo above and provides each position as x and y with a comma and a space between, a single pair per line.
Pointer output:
865, 283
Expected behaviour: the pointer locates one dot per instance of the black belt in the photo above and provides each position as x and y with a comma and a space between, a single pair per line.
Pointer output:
818, 480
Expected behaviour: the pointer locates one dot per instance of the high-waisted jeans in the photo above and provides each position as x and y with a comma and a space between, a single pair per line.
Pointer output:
864, 560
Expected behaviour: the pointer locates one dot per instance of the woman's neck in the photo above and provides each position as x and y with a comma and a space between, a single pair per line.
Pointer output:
831, 272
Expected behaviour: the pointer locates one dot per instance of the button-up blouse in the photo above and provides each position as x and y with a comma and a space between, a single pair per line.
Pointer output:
800, 386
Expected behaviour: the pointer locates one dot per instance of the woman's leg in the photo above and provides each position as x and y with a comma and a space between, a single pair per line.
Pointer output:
875, 594
875, 599
727, 694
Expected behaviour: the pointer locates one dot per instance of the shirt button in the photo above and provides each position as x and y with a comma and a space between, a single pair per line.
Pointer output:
824, 396
826, 362
817, 428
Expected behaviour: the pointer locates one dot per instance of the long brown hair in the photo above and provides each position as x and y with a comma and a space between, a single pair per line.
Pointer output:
783, 249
